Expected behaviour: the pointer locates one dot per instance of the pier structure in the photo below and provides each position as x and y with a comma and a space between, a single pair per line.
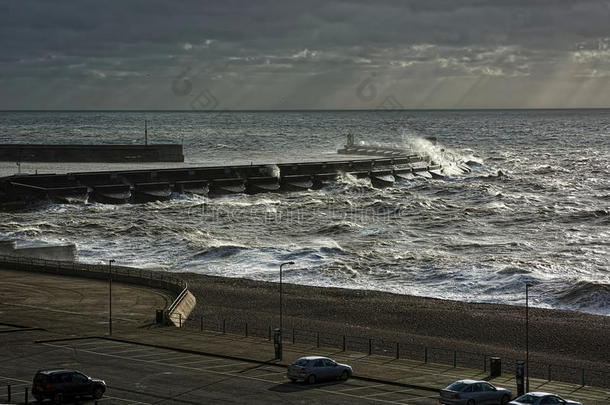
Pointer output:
158, 184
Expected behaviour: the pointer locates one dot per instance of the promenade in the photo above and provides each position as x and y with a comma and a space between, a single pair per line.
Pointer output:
71, 313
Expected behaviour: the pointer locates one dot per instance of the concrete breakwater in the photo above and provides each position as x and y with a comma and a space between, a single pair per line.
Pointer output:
91, 153
158, 184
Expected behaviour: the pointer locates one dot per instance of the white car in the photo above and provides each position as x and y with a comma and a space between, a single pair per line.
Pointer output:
473, 392
541, 398
317, 368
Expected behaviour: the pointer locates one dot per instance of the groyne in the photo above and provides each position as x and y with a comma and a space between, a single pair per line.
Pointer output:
158, 184
91, 153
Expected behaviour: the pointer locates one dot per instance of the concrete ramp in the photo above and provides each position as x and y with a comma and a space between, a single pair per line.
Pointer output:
179, 312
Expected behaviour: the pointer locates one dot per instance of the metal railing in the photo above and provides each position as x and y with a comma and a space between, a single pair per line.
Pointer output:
399, 349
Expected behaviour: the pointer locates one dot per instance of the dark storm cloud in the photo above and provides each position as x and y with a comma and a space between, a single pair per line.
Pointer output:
325, 48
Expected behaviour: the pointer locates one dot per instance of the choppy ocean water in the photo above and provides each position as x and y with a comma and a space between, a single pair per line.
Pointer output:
473, 237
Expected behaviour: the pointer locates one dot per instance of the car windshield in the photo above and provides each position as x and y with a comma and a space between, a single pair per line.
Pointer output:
301, 362
457, 386
526, 399
40, 378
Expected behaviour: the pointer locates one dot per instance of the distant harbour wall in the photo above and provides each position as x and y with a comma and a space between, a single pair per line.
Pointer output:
91, 153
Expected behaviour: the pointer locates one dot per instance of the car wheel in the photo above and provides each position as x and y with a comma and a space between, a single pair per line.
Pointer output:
58, 398
344, 376
98, 392
504, 400
293, 380
311, 379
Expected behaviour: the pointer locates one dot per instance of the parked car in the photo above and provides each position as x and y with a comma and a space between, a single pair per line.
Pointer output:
472, 392
541, 398
316, 368
61, 384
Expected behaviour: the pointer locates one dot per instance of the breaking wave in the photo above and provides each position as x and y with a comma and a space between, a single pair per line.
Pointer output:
594, 296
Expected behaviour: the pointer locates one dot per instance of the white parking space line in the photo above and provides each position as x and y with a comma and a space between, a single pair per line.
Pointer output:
392, 392
132, 350
96, 343
113, 349
264, 375
179, 358
113, 399
417, 399
203, 361
363, 387
221, 366
13, 379
153, 354
15, 386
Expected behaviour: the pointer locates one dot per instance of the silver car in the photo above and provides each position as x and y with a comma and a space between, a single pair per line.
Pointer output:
316, 368
473, 392
541, 398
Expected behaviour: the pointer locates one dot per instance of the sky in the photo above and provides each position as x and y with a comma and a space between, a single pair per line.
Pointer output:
299, 54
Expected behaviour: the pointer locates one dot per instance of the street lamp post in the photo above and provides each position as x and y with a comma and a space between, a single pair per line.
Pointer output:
281, 304
527, 338
110, 296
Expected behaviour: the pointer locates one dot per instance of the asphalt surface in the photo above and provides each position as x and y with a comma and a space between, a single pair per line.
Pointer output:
76, 302
138, 374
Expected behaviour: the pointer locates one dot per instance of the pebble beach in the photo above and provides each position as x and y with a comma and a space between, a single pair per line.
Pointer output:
558, 337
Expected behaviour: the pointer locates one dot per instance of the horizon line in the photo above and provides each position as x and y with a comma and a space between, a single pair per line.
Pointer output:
315, 110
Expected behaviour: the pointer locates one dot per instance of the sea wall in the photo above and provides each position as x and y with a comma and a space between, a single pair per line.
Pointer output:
91, 153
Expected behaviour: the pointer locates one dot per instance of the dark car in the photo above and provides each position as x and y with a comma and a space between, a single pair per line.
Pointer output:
61, 384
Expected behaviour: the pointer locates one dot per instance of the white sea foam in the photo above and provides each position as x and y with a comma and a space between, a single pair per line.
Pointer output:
450, 159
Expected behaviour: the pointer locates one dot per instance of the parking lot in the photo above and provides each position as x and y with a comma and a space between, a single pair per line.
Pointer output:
271, 376
184, 366
138, 374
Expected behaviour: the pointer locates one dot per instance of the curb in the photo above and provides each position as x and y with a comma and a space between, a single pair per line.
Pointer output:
12, 325
66, 339
22, 330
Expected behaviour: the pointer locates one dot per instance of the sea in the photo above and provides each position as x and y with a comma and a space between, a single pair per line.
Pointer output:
534, 209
